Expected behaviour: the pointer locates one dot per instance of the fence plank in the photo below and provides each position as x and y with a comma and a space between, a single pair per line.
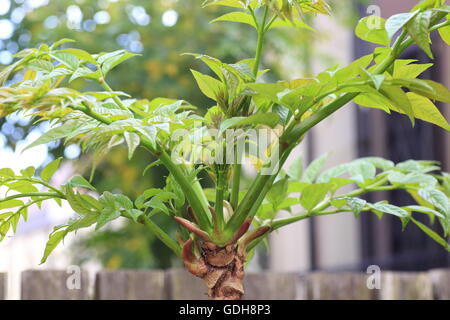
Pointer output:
179, 284
270, 286
257, 286
130, 285
184, 286
406, 286
336, 286
440, 279
2, 286
54, 285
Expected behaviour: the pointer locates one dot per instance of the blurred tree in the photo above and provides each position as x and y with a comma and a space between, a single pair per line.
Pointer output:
160, 31
127, 247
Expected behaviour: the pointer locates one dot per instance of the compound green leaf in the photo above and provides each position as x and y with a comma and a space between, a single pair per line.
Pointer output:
28, 172
208, 85
313, 194
399, 99
132, 139
269, 119
398, 21
237, 16
50, 169
54, 239
79, 181
313, 170
60, 132
390, 209
445, 34
433, 235
372, 29
425, 110
437, 198
418, 29
67, 59
10, 204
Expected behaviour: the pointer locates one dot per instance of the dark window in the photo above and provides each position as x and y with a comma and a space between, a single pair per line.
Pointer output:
392, 137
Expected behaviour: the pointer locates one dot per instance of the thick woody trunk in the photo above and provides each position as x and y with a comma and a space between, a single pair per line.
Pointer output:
222, 268
225, 274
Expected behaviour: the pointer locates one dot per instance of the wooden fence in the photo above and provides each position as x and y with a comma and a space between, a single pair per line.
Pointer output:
178, 284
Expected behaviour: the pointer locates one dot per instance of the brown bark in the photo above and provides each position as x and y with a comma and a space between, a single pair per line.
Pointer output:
222, 269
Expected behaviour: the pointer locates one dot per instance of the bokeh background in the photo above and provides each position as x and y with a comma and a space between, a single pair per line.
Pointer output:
160, 31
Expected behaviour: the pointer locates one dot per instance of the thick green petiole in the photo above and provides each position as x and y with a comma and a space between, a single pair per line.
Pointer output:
161, 235
234, 198
33, 194
260, 41
193, 192
114, 97
237, 167
220, 191
255, 196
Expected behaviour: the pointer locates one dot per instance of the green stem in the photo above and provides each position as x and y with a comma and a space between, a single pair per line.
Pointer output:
237, 171
338, 88
260, 42
267, 186
25, 206
255, 195
291, 137
277, 224
45, 184
115, 98
440, 25
299, 130
237, 167
88, 111
192, 190
269, 24
318, 211
194, 195
161, 235
32, 194
30, 203
220, 189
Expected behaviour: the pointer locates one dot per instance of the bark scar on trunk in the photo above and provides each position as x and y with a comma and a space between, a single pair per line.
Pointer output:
222, 268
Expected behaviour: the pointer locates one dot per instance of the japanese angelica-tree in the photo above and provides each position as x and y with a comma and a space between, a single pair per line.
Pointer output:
220, 227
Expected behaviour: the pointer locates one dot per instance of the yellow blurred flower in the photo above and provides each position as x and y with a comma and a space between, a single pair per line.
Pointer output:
114, 262
171, 69
134, 244
154, 69
170, 41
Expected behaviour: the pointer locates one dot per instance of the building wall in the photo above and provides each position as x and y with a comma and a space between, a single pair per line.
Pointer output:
336, 242
392, 136
336, 238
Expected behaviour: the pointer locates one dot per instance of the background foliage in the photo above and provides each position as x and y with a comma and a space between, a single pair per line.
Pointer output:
159, 31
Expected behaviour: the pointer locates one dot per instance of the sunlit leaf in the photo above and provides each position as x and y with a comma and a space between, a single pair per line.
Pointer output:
49, 170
